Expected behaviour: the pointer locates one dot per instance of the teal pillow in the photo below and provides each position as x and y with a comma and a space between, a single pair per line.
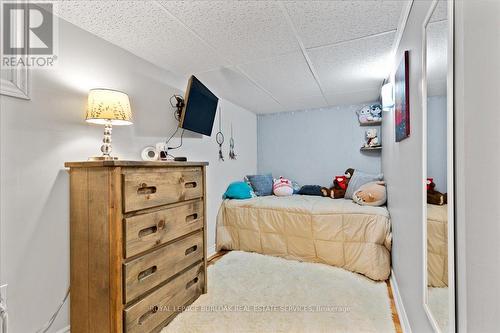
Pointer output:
238, 190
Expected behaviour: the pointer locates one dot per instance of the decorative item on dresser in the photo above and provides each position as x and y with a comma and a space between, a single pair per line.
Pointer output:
108, 107
138, 243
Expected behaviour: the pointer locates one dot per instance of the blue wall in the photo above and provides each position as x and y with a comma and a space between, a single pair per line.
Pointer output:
313, 146
436, 141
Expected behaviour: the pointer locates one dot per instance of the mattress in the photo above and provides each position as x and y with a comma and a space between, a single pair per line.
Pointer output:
336, 232
437, 245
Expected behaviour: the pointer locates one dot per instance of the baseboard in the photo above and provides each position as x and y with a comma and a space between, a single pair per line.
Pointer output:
403, 318
211, 251
64, 330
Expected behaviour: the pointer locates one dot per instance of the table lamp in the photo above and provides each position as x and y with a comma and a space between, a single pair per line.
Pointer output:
108, 107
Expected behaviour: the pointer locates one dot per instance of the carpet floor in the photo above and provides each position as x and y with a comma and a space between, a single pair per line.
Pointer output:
249, 292
438, 304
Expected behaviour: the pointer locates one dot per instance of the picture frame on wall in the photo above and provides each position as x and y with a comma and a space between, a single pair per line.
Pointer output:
402, 99
14, 81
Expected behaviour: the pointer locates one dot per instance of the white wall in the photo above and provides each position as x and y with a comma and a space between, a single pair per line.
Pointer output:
436, 141
477, 83
477, 161
402, 167
313, 146
39, 135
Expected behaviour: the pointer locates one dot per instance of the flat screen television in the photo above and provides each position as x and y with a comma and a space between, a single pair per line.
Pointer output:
200, 107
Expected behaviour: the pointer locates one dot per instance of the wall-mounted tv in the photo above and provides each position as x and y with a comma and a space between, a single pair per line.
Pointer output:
200, 107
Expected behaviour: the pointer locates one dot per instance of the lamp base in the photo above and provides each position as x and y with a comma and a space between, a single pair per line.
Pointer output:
106, 145
103, 158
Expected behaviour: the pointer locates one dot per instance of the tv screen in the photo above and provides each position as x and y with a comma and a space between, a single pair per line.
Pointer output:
200, 107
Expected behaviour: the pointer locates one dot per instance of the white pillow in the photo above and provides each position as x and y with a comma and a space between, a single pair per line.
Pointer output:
282, 187
359, 178
375, 191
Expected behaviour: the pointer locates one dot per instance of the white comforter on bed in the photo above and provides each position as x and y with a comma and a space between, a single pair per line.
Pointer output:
437, 245
337, 232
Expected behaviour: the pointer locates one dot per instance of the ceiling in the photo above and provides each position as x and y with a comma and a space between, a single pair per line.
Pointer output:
437, 51
266, 56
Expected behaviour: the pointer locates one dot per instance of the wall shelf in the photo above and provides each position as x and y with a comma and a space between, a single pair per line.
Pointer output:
373, 123
378, 148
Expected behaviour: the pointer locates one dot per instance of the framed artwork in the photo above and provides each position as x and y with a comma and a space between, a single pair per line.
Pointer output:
402, 99
14, 81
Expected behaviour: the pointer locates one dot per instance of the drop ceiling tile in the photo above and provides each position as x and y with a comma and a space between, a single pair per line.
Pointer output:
143, 28
321, 23
440, 12
437, 59
243, 31
230, 84
296, 103
285, 77
356, 97
353, 66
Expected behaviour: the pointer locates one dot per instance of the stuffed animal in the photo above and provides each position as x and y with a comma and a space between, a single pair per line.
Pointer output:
376, 112
371, 138
429, 183
339, 187
370, 113
371, 194
364, 115
435, 197
282, 187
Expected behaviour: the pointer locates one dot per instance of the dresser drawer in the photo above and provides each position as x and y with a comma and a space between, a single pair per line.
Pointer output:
150, 188
143, 232
159, 306
148, 271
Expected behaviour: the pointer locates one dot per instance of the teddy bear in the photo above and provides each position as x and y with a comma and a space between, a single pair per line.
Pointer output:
364, 115
376, 112
371, 194
339, 187
435, 197
371, 138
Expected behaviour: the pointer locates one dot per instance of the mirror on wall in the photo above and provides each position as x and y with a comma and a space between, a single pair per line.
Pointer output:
438, 212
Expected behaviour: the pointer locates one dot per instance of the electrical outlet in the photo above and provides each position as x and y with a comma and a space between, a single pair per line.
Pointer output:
3, 294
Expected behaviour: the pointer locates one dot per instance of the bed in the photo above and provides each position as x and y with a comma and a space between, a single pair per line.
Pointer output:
437, 245
336, 232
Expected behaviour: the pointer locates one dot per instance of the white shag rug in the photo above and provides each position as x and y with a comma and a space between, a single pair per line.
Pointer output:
439, 306
249, 292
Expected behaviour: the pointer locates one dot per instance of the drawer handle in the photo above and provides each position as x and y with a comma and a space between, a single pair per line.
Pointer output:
145, 189
148, 231
191, 217
191, 249
190, 185
190, 283
148, 272
161, 224
148, 314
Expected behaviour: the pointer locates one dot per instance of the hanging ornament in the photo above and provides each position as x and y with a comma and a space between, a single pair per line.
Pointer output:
232, 154
219, 137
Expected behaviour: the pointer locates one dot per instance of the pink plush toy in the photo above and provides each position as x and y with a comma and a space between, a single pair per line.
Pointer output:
282, 187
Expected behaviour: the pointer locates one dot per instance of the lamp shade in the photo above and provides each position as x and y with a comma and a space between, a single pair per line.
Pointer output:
106, 105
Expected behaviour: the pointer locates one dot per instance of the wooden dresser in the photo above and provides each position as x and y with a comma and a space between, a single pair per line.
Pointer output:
138, 243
